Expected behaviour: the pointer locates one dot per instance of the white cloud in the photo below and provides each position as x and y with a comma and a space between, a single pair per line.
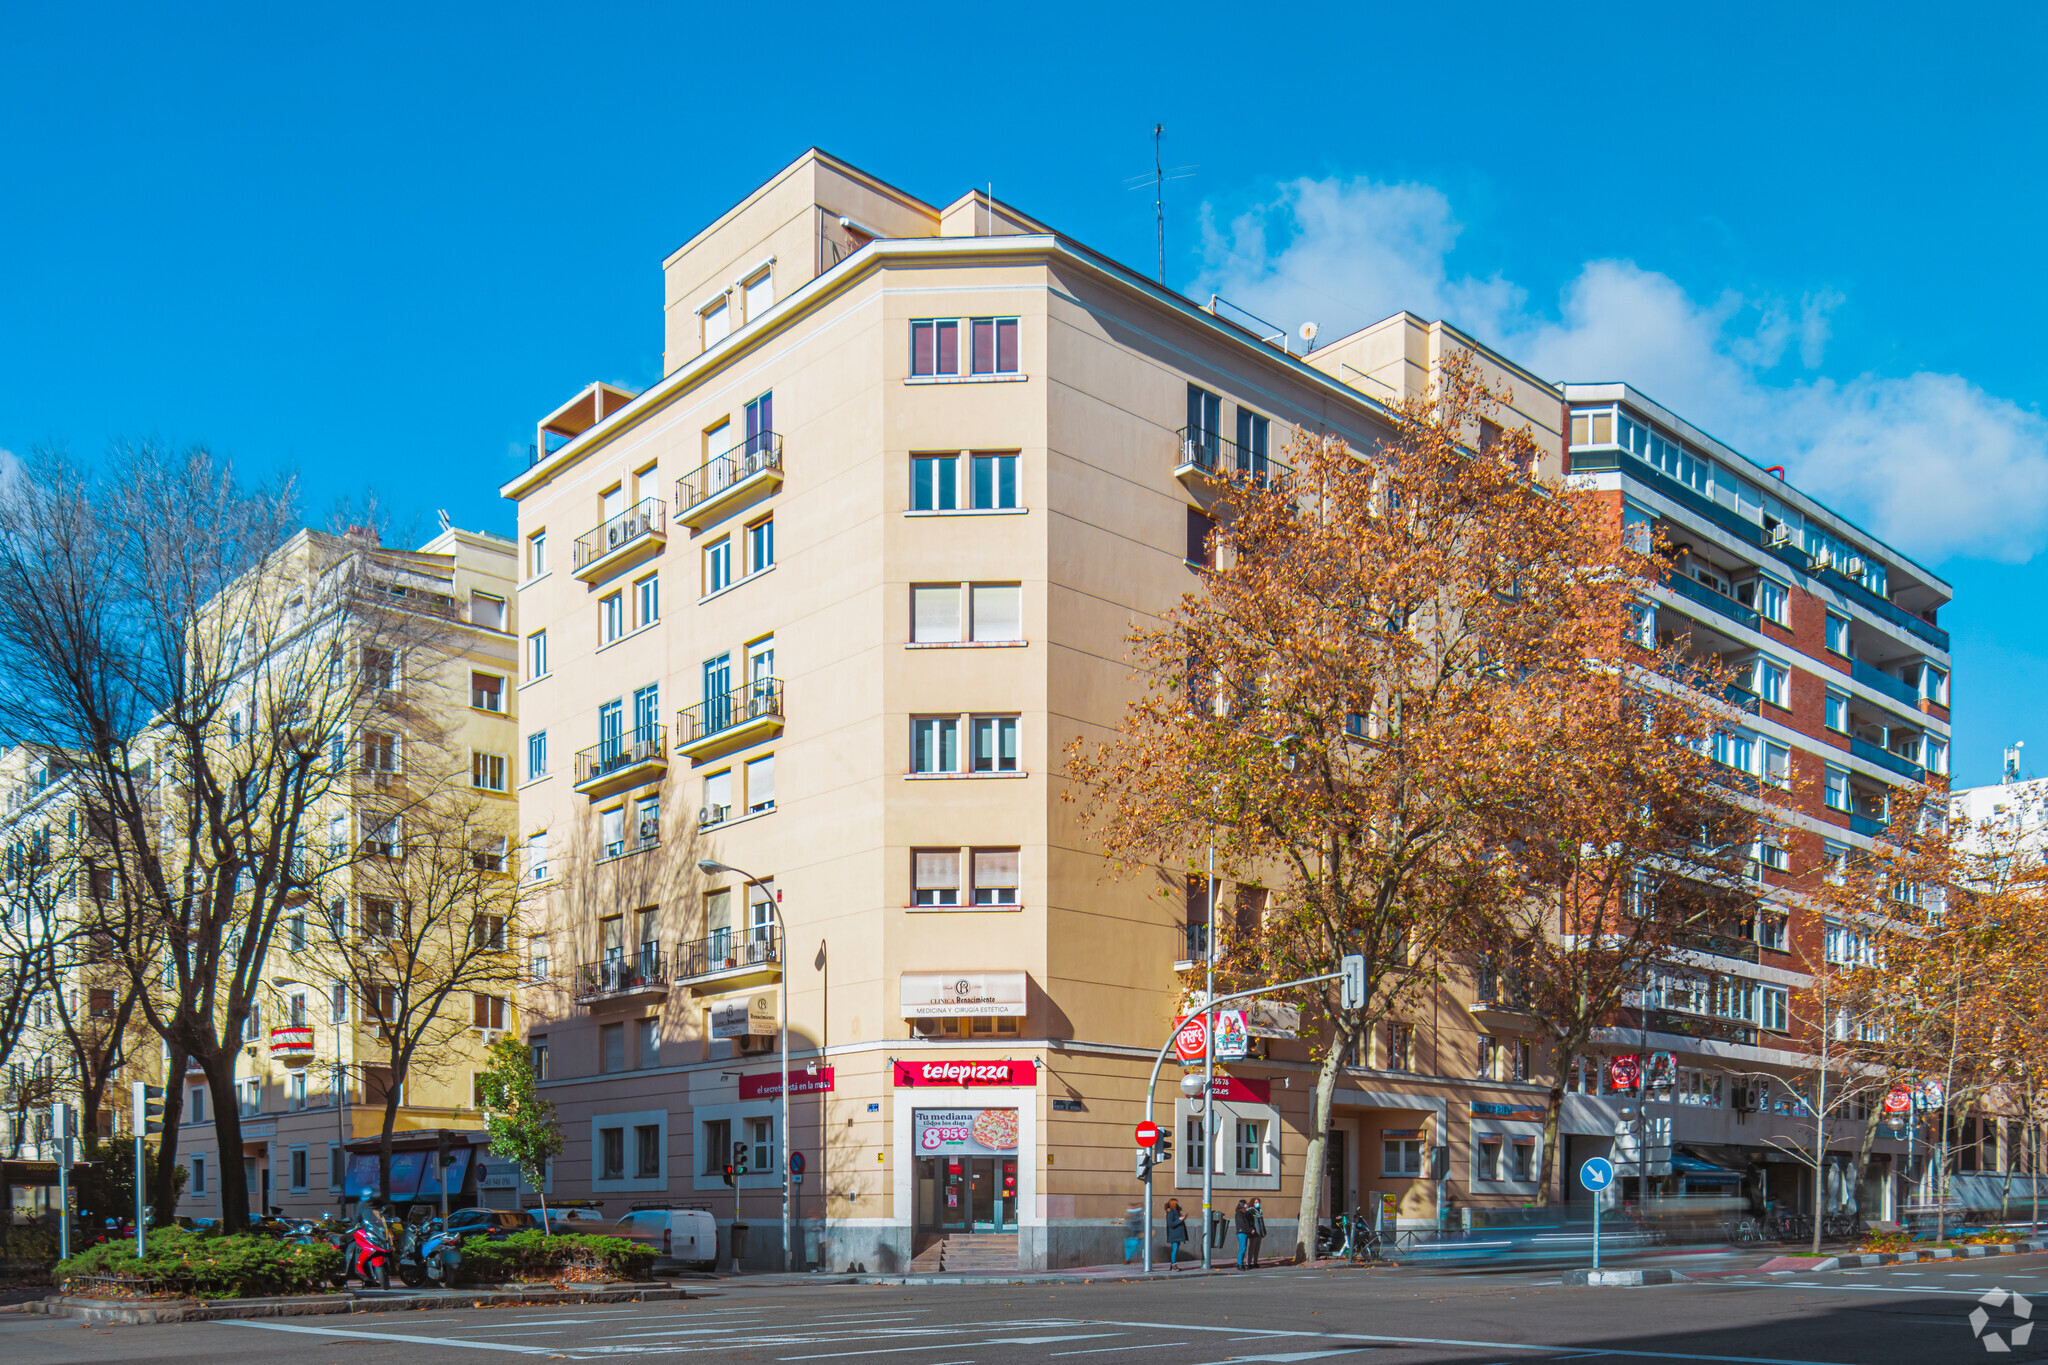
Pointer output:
1928, 461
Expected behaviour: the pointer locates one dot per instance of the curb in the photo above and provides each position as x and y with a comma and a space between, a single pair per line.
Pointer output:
1785, 1265
141, 1311
1623, 1279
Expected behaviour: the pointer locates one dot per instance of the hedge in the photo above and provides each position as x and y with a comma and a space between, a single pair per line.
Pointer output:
203, 1264
568, 1256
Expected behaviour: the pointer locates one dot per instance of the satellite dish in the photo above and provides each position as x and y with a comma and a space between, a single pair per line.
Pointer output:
1308, 333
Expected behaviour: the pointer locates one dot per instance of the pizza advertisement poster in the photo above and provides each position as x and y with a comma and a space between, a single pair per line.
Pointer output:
969, 1132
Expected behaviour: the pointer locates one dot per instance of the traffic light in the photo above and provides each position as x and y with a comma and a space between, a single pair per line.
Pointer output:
146, 1108
444, 1154
728, 1173
1145, 1165
1163, 1149
739, 1158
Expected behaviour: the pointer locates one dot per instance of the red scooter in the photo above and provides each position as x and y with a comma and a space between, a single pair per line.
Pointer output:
368, 1251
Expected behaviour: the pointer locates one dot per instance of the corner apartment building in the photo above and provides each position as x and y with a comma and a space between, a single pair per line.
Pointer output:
826, 604
313, 1076
1845, 686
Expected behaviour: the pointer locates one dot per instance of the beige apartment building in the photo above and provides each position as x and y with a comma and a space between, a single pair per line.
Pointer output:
313, 1075
826, 604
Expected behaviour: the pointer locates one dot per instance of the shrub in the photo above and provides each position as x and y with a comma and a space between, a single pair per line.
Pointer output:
204, 1264
1886, 1241
570, 1257
28, 1244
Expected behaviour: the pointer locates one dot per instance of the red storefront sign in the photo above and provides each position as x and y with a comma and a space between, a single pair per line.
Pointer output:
967, 1073
800, 1083
1243, 1090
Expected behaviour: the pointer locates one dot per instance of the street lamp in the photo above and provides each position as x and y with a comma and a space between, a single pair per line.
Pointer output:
710, 867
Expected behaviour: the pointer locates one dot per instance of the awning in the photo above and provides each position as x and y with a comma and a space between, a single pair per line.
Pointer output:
1697, 1170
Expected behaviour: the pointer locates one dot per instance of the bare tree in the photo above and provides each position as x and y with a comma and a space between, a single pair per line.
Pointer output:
206, 666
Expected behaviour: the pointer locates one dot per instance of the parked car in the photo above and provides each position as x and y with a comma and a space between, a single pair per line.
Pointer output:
688, 1236
568, 1220
496, 1224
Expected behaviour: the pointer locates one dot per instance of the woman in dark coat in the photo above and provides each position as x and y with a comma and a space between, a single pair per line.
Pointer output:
1258, 1229
1176, 1233
1242, 1221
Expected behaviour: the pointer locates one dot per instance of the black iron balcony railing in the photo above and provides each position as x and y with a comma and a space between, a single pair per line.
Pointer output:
1210, 453
728, 950
625, 750
1194, 943
757, 700
758, 454
622, 971
643, 518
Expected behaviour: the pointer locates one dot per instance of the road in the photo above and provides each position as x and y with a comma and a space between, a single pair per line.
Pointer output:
1899, 1315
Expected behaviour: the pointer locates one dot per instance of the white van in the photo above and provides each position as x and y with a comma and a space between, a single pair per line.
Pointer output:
689, 1236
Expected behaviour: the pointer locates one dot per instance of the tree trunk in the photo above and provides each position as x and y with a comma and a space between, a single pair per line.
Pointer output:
227, 1129
391, 1094
165, 1208
1310, 1217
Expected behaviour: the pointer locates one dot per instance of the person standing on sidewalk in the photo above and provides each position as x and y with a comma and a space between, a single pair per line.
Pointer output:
1258, 1229
1176, 1233
1242, 1221
1134, 1232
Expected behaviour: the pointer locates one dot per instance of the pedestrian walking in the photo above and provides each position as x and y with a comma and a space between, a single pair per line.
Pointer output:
1242, 1221
1258, 1230
1176, 1233
1134, 1232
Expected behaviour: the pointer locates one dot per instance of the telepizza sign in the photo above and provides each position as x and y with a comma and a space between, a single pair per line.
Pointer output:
967, 1073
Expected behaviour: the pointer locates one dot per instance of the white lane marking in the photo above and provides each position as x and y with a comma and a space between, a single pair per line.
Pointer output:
1292, 1356
260, 1325
1454, 1341
892, 1351
1102, 1350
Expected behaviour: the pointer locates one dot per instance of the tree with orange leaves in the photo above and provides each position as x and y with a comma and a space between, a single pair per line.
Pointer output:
1381, 689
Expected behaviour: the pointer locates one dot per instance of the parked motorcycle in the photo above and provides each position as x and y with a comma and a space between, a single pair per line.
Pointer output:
428, 1254
369, 1251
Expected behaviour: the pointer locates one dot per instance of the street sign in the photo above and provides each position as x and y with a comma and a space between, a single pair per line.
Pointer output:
1597, 1174
1233, 1039
1351, 995
1898, 1101
1147, 1133
1191, 1038
796, 1164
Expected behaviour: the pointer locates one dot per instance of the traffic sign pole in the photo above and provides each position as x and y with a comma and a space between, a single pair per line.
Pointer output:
1596, 1175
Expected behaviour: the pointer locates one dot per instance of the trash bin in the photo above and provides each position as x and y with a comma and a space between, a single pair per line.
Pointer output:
1219, 1228
739, 1244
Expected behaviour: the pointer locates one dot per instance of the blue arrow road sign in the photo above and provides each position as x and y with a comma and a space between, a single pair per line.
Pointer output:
1597, 1173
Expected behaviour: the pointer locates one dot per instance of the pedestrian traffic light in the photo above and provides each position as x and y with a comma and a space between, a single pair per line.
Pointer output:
146, 1108
1145, 1165
739, 1158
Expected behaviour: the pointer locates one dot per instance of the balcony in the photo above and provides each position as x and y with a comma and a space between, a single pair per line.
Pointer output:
1741, 698
747, 471
1689, 1025
1890, 611
622, 761
641, 975
626, 539
1866, 825
1194, 947
1713, 601
1719, 945
1880, 681
732, 720
727, 961
1885, 758
1205, 456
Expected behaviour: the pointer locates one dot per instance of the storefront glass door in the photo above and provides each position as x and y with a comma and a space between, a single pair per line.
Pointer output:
968, 1194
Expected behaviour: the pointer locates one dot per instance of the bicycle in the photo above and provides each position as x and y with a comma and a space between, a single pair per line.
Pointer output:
1743, 1229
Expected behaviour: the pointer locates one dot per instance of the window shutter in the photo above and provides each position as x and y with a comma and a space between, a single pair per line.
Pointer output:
938, 871
935, 613
995, 868
998, 611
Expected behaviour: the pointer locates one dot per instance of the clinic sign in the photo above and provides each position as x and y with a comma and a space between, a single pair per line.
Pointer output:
957, 995
753, 1017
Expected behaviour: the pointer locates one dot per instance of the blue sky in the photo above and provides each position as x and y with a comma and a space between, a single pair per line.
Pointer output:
374, 247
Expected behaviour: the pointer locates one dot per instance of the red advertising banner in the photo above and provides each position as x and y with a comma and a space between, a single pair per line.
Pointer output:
800, 1083
1243, 1090
1625, 1073
967, 1073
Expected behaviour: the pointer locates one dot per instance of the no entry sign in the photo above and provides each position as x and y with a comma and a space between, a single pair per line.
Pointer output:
1147, 1133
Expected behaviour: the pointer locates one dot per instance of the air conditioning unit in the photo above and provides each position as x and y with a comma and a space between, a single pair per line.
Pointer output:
1854, 566
1781, 535
712, 815
754, 1044
1742, 1100
1190, 451
760, 704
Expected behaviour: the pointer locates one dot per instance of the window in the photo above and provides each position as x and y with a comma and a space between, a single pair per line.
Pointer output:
1401, 1156
648, 1041
1251, 443
380, 917
536, 755
486, 692
536, 554
995, 744
934, 483
717, 1147
761, 784
487, 852
760, 425
196, 1108
1643, 625
1933, 684
384, 837
935, 613
716, 320
1201, 539
1838, 633
537, 655
1771, 930
611, 1152
487, 772
718, 565
1777, 764
250, 1096
1486, 1156
761, 545
1251, 1147
1397, 1037
995, 345
1771, 1008
538, 1047
1772, 854
537, 856
993, 485
647, 600
1205, 419
198, 1168
298, 942
760, 293
1837, 788
935, 878
487, 1011
717, 796
646, 712
998, 611
995, 876
380, 751
1937, 756
1837, 716
299, 1163
1523, 1152
380, 668
1772, 681
647, 1151
1197, 1147
611, 617
935, 744
935, 347
611, 1048
764, 1144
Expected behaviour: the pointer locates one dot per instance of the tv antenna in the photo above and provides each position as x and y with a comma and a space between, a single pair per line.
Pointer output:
1160, 175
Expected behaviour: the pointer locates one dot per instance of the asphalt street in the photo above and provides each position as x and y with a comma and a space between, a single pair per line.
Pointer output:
1898, 1315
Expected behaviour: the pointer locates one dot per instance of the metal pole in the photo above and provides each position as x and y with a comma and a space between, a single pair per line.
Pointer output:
139, 1201
1596, 1227
60, 1117
1209, 1071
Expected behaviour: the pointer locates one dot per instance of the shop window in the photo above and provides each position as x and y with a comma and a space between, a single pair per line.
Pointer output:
1486, 1157
1523, 1155
1251, 1147
1401, 1156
